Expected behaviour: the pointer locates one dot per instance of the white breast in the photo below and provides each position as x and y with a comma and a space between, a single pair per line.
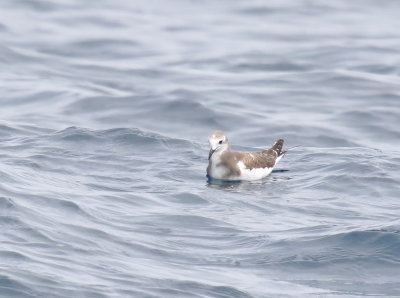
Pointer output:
217, 171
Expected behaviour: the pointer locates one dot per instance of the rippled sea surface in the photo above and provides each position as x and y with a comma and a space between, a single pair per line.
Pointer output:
105, 111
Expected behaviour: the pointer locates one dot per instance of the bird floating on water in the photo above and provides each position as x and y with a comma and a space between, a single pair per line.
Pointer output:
226, 164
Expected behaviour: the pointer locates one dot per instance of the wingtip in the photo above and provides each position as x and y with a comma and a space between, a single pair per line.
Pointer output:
277, 147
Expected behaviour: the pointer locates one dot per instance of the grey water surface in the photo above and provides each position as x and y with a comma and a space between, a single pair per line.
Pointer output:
105, 110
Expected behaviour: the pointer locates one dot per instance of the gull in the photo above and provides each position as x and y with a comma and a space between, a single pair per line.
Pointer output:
227, 164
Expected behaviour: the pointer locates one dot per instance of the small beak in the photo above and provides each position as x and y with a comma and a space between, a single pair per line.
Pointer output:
211, 153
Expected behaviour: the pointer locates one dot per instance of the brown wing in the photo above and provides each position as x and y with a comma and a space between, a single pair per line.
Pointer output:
265, 159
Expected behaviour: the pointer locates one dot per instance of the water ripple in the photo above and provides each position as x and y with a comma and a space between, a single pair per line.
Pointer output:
106, 109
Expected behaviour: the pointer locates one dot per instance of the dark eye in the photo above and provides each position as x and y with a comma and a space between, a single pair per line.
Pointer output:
220, 142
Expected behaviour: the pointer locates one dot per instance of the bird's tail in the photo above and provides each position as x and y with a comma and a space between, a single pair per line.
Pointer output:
277, 147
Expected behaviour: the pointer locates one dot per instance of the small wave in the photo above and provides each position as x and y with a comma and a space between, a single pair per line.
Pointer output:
105, 140
369, 248
6, 130
10, 287
3, 27
6, 203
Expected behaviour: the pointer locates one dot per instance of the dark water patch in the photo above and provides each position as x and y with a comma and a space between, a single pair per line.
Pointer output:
7, 177
19, 232
11, 222
67, 207
106, 140
92, 21
223, 183
96, 49
11, 53
181, 110
14, 135
7, 131
355, 289
359, 117
267, 67
192, 223
13, 256
137, 138
99, 103
202, 289
372, 250
76, 134
10, 287
254, 10
355, 171
330, 141
340, 81
391, 99
374, 123
44, 96
196, 222
378, 69
280, 171
188, 198
37, 5
52, 163
6, 204
3, 27
102, 187
96, 43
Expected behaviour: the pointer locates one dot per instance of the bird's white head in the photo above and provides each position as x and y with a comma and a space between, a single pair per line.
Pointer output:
218, 142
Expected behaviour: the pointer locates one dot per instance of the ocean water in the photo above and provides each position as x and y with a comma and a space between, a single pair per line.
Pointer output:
106, 107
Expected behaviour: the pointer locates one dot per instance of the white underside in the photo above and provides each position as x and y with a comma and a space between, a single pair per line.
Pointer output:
217, 172
253, 174
220, 172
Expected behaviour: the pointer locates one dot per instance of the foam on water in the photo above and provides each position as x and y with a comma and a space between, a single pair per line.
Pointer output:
105, 112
